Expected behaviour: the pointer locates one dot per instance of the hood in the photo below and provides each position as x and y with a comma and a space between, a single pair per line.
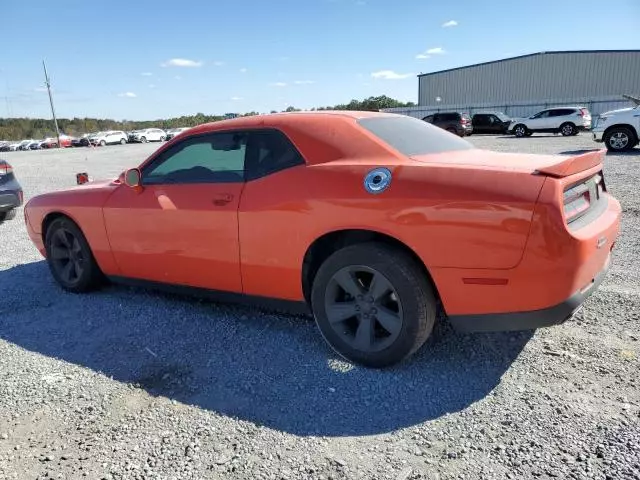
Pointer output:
613, 112
552, 165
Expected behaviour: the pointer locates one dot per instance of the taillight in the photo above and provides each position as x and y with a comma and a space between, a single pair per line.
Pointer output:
5, 168
583, 112
578, 199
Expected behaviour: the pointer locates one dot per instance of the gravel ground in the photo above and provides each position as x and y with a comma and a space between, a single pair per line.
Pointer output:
133, 384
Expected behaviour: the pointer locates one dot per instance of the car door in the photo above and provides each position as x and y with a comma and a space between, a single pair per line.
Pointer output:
181, 225
539, 121
270, 203
480, 123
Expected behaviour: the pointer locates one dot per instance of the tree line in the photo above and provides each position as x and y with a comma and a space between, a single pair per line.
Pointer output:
36, 128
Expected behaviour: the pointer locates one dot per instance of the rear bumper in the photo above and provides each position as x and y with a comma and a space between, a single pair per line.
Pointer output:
546, 317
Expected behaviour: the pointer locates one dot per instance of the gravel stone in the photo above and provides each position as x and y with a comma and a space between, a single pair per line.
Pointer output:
132, 384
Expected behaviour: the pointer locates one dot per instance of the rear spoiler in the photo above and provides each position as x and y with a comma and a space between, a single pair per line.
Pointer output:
574, 164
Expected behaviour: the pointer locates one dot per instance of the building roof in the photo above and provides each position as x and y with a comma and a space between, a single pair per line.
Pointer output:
528, 55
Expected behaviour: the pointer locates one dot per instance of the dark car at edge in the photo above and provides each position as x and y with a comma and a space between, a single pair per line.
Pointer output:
11, 196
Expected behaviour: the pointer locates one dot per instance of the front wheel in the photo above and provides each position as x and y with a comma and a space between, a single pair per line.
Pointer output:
122, 141
619, 139
143, 139
520, 131
373, 304
162, 139
70, 258
103, 143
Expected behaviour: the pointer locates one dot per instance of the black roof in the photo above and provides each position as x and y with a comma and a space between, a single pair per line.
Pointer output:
527, 55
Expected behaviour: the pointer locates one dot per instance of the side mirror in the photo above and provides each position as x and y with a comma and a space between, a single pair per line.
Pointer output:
132, 177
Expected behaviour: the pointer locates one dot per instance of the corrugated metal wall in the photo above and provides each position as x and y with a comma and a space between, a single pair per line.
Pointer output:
535, 78
596, 106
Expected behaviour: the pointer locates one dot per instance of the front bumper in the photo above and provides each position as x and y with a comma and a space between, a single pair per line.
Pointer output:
597, 135
546, 317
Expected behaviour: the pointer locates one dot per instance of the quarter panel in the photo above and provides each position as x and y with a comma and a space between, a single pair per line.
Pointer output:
451, 217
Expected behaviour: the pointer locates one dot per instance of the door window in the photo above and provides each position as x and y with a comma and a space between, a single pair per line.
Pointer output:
209, 158
543, 114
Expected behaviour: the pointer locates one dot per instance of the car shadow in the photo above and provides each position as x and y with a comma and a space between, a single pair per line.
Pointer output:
633, 152
274, 370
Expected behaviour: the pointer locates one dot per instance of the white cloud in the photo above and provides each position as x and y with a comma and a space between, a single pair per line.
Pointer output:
423, 56
235, 99
181, 62
279, 84
218, 63
178, 77
304, 82
390, 75
128, 95
450, 23
243, 70
40, 89
435, 51
146, 74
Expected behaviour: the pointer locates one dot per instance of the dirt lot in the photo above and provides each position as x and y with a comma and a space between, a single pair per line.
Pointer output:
133, 384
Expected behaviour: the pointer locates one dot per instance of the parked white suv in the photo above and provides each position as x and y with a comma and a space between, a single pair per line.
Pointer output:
149, 135
108, 138
565, 120
619, 129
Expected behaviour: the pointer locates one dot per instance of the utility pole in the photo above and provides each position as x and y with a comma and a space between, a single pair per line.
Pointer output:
53, 112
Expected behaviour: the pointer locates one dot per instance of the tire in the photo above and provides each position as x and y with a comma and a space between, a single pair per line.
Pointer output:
84, 275
162, 139
122, 141
409, 321
102, 143
619, 139
568, 129
521, 130
143, 139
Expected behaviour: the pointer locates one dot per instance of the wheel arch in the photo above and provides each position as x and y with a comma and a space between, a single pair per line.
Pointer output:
622, 125
322, 247
50, 217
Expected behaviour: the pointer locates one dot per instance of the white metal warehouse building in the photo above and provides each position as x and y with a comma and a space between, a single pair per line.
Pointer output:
523, 85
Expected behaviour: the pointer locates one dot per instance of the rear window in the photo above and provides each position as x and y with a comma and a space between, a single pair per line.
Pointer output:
411, 136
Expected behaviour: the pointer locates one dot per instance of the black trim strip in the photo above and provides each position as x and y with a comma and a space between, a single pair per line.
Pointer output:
288, 306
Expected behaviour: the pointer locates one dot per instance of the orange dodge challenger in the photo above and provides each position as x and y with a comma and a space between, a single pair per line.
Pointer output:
371, 221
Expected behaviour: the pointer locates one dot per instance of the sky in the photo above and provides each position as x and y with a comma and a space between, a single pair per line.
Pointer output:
142, 60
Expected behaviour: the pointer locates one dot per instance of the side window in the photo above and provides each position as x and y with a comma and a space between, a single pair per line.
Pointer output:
209, 158
480, 120
543, 114
269, 151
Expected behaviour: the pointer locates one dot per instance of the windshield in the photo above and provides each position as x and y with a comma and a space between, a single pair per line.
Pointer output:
411, 136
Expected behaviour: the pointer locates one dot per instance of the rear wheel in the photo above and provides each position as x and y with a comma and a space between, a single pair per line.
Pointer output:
102, 143
373, 304
619, 139
568, 129
143, 139
162, 139
70, 258
122, 141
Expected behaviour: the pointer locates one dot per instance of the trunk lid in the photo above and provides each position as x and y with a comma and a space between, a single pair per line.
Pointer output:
550, 165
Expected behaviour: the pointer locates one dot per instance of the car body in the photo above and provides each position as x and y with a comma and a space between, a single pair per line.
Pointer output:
495, 123
14, 146
619, 129
35, 145
458, 123
568, 121
346, 215
148, 135
5, 146
172, 132
111, 137
25, 144
11, 195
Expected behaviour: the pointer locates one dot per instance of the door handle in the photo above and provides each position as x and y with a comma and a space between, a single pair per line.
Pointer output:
222, 199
